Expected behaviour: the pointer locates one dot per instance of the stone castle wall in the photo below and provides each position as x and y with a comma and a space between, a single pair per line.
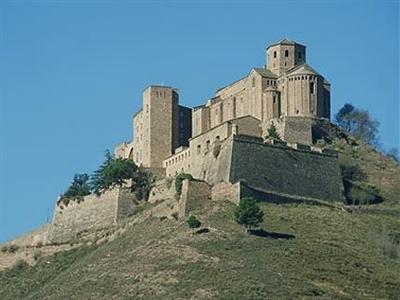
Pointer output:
93, 213
194, 193
226, 191
291, 129
282, 169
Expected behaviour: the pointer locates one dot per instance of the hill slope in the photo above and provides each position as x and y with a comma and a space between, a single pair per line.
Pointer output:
305, 252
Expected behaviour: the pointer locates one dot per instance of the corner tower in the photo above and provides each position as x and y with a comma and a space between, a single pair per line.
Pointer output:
285, 55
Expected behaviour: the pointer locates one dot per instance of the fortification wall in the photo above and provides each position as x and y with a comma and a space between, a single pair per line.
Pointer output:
226, 191
280, 169
93, 213
162, 190
194, 193
291, 129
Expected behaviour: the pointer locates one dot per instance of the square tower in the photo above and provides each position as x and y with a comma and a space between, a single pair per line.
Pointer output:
157, 130
285, 55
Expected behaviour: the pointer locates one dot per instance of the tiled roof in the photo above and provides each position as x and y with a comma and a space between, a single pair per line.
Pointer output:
302, 69
285, 41
265, 72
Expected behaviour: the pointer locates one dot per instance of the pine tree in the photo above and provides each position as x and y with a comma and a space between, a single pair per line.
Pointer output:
248, 213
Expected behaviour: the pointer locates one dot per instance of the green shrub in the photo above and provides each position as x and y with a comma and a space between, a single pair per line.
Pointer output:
37, 254
193, 222
178, 182
272, 132
248, 213
4, 248
79, 187
39, 244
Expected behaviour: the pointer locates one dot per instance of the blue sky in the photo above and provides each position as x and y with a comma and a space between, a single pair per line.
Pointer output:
72, 74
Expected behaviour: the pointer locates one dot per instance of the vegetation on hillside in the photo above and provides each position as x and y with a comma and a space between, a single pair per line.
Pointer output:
248, 213
307, 252
359, 124
112, 172
370, 176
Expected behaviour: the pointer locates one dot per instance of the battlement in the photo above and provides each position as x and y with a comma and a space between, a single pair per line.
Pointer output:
284, 145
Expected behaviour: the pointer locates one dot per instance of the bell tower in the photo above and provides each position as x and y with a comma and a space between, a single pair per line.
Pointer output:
284, 55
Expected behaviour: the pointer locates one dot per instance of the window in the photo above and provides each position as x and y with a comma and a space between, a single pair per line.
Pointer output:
274, 54
286, 53
253, 82
208, 145
274, 98
198, 149
299, 54
311, 87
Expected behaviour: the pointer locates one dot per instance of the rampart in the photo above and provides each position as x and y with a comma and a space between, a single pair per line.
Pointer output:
194, 193
281, 169
92, 213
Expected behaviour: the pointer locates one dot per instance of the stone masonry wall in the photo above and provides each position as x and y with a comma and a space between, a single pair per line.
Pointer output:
194, 192
281, 169
93, 213
226, 191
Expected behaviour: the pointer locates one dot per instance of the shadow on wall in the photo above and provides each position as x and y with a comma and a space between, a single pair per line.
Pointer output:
271, 235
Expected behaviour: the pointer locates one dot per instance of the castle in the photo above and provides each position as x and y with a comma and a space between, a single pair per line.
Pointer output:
286, 92
223, 145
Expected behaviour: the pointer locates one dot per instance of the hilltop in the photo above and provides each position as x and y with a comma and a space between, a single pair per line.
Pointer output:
305, 252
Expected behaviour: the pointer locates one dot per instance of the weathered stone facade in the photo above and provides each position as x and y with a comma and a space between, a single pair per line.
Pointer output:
161, 126
285, 89
273, 167
92, 213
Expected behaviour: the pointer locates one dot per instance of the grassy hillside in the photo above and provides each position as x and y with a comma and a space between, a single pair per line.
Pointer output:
305, 252
373, 167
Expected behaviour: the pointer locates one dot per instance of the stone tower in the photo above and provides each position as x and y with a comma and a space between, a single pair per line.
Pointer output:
160, 127
284, 55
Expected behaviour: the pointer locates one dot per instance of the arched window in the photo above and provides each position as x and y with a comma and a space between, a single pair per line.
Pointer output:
274, 54
253, 82
286, 53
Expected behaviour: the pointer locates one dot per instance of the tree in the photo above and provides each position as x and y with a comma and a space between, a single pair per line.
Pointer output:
79, 187
272, 132
141, 184
114, 172
248, 213
193, 223
358, 123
